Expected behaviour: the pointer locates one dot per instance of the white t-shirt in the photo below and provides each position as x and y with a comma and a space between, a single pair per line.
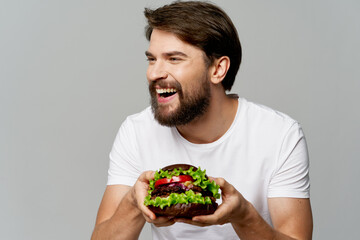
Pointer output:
263, 155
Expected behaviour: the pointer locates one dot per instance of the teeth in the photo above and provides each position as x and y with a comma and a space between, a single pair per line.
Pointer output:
165, 90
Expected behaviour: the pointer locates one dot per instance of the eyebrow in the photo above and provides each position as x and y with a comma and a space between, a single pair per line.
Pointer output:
168, 54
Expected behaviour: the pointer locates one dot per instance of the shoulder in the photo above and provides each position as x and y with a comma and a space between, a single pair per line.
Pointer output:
262, 115
266, 124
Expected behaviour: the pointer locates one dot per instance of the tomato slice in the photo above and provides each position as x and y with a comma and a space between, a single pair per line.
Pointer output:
174, 179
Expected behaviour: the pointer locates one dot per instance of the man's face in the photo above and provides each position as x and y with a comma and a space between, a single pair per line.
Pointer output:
178, 79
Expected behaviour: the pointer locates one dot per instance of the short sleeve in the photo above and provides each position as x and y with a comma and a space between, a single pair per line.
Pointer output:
124, 166
291, 175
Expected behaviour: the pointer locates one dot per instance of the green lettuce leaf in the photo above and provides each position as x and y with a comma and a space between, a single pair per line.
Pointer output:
200, 180
174, 198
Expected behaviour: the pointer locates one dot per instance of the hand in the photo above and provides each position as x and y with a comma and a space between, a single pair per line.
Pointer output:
232, 209
139, 191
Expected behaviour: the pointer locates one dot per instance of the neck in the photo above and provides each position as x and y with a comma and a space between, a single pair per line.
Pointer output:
214, 123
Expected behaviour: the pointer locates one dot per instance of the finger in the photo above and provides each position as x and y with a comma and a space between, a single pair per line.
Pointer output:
216, 218
163, 221
146, 176
221, 182
142, 193
147, 213
190, 221
144, 209
226, 187
211, 178
147, 218
205, 219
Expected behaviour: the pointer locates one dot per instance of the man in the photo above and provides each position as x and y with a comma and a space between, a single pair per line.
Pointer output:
259, 155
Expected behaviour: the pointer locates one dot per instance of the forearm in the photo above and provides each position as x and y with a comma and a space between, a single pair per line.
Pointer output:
126, 223
251, 226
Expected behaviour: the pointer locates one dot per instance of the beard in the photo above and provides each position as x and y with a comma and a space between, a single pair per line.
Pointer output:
191, 104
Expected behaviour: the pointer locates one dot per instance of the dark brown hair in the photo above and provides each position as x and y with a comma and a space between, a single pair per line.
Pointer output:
203, 25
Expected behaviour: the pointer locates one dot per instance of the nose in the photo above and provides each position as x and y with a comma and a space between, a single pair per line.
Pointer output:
156, 71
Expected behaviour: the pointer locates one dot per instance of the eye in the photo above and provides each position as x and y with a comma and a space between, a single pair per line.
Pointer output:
175, 59
150, 59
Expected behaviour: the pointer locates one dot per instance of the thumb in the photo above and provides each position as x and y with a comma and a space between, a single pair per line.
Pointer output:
146, 176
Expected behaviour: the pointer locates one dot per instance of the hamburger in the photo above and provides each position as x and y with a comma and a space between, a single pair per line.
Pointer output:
182, 190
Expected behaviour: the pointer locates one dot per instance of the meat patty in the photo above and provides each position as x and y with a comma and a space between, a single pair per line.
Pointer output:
166, 189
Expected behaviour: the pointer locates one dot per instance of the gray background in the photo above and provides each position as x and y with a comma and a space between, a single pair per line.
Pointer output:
71, 71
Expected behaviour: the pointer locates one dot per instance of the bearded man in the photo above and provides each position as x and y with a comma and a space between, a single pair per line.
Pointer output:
259, 155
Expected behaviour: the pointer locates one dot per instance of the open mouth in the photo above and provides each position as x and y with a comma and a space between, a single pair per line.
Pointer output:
165, 92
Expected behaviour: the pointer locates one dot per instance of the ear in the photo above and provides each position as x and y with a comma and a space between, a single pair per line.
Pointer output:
219, 69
